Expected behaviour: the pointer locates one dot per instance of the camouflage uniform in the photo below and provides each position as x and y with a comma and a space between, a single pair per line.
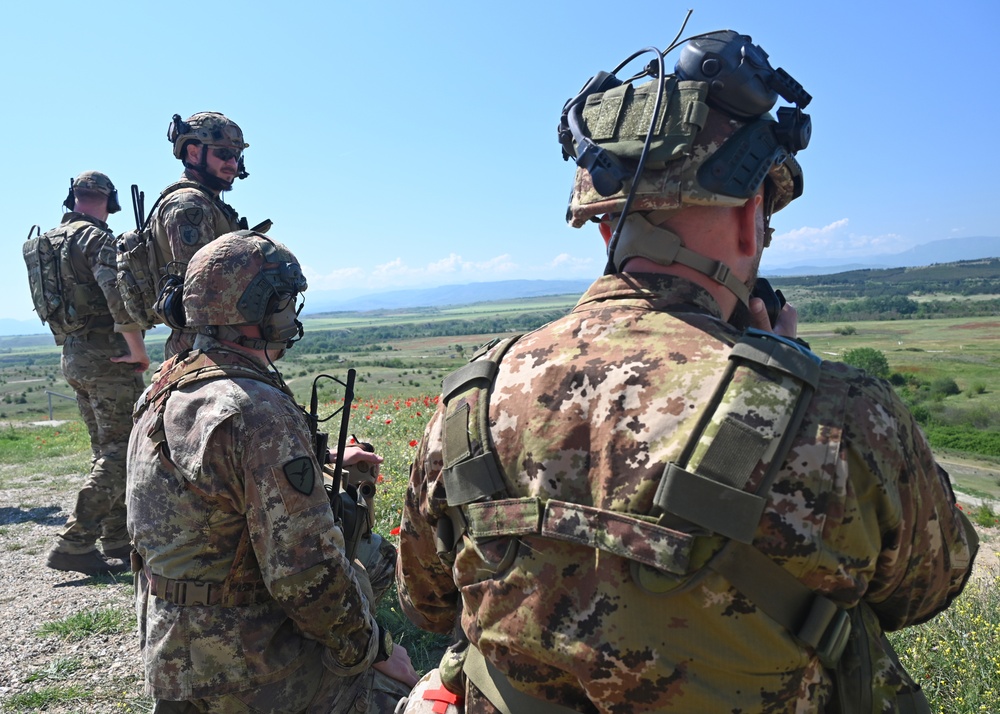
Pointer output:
588, 410
105, 393
235, 499
186, 220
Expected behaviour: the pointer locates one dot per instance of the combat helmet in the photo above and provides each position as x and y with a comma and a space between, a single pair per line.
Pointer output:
244, 278
96, 182
703, 135
209, 128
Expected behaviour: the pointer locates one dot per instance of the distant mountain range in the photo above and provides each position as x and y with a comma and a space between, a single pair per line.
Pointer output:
446, 295
939, 251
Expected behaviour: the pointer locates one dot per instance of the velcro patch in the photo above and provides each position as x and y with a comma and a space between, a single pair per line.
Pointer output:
301, 474
194, 215
190, 235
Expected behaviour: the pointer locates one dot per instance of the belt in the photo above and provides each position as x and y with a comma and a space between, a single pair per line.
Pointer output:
199, 592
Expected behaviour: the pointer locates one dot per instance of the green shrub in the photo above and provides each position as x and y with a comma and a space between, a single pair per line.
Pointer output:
869, 359
944, 387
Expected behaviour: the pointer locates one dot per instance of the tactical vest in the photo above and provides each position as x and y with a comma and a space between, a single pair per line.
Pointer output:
703, 491
61, 298
143, 258
241, 586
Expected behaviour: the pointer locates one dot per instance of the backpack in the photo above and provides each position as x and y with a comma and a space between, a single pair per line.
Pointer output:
142, 259
60, 299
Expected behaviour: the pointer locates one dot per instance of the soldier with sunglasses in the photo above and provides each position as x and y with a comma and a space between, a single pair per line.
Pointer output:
210, 146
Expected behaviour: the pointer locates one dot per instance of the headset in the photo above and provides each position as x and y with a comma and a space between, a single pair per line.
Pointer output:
113, 205
741, 83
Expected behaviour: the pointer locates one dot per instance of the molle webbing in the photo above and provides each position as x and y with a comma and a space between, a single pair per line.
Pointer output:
621, 118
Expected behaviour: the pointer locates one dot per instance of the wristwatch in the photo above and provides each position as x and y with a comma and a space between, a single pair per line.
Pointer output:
385, 644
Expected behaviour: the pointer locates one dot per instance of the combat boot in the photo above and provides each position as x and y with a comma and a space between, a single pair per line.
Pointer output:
90, 563
122, 552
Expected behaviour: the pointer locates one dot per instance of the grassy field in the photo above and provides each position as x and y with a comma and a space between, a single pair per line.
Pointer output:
955, 655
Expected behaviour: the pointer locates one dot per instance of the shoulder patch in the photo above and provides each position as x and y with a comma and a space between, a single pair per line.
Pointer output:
194, 215
190, 235
301, 474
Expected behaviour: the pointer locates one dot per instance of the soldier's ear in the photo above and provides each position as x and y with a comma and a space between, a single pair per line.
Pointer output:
747, 218
193, 152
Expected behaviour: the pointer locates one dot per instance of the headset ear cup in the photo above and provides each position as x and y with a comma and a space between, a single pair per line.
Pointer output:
113, 204
170, 303
70, 202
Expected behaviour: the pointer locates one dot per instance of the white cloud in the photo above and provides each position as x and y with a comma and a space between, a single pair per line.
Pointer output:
810, 241
402, 274
570, 263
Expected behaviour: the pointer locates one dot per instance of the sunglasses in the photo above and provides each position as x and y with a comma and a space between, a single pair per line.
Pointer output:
224, 154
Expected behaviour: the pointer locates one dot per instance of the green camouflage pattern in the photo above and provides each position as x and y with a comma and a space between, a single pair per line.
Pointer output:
228, 442
676, 184
588, 410
186, 220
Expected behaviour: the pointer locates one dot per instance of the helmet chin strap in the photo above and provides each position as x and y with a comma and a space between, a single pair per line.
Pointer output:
203, 176
639, 238
232, 334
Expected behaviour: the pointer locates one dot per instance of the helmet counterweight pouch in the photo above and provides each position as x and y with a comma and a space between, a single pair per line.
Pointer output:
619, 119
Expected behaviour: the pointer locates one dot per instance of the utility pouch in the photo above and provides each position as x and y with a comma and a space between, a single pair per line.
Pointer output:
869, 676
621, 117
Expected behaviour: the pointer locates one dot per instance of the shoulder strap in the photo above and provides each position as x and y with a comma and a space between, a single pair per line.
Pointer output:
471, 469
171, 189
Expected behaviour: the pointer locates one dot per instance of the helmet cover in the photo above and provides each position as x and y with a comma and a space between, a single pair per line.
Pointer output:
208, 128
239, 279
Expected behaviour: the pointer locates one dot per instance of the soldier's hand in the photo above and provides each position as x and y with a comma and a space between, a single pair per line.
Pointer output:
788, 319
354, 454
141, 362
399, 667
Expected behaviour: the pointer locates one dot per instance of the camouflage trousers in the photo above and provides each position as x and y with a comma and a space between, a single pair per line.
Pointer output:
313, 688
105, 393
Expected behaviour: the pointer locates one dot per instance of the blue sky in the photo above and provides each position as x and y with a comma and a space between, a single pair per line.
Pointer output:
402, 144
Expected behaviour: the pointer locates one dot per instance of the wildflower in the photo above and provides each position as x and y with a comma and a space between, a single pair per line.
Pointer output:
394, 531
413, 442
388, 421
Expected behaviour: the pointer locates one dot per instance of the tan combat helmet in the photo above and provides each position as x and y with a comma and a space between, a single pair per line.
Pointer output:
209, 128
701, 136
96, 182
244, 278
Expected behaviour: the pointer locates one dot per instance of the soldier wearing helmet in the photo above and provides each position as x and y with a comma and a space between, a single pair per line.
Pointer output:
103, 358
191, 214
662, 501
246, 599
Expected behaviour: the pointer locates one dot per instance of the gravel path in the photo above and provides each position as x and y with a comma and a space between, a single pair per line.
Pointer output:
92, 673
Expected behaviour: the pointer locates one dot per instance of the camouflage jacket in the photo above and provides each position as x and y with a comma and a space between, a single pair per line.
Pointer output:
92, 257
588, 410
188, 219
238, 496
